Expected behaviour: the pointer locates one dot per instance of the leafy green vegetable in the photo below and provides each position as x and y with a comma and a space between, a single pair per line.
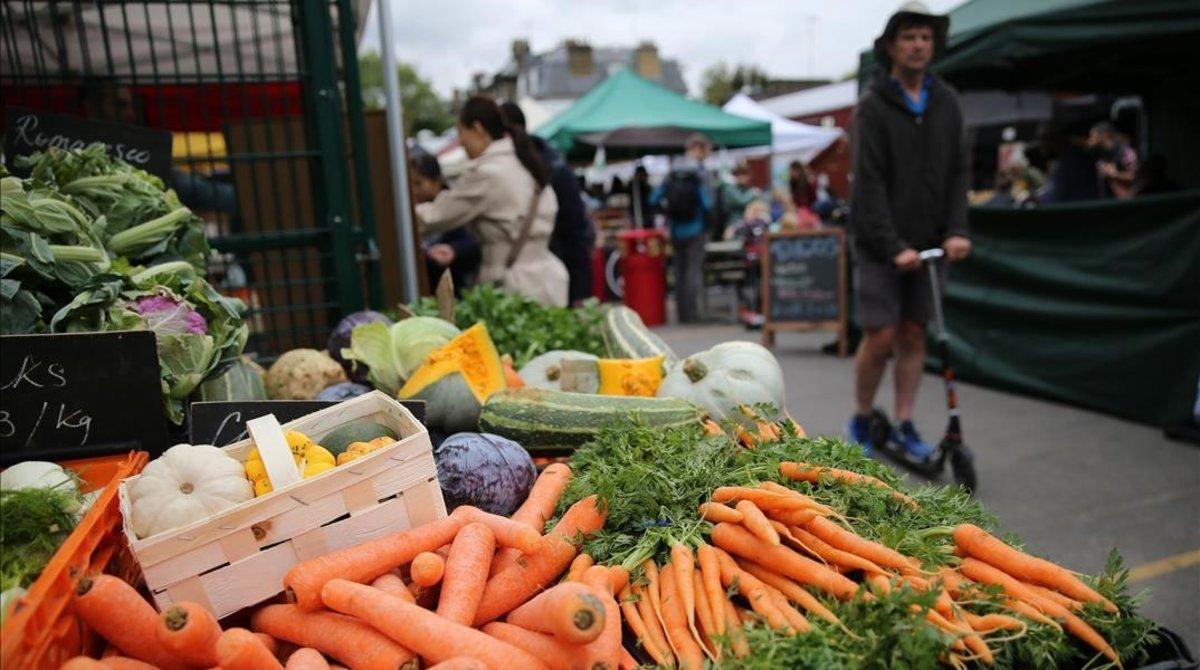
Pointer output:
522, 327
371, 345
36, 521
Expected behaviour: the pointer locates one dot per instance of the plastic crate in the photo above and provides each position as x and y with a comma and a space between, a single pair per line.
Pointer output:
43, 631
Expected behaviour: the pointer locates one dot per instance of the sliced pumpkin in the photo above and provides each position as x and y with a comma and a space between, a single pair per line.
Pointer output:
456, 379
630, 376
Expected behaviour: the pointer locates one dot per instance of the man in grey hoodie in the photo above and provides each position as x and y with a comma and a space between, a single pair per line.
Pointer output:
909, 194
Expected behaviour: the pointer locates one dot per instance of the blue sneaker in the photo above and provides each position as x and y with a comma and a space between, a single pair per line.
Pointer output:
859, 431
914, 448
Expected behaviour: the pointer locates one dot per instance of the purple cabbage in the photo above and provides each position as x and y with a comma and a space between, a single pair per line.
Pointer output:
487, 471
340, 339
168, 316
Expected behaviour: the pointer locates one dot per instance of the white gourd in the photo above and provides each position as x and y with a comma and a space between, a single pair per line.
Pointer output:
726, 376
35, 475
545, 370
188, 483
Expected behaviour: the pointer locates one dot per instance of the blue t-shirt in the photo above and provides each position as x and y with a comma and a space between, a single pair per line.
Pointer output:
919, 105
682, 230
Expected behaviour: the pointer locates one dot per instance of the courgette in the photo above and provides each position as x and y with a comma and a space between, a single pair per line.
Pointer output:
626, 336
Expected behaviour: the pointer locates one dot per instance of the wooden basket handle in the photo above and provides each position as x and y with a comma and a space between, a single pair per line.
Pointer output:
268, 438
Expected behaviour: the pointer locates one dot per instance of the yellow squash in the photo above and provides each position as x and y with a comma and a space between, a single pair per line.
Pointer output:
456, 379
630, 376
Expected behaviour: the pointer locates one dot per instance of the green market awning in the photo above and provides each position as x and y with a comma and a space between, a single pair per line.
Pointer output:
634, 115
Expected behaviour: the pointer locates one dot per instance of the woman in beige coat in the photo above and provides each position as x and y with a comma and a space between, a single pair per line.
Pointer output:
494, 196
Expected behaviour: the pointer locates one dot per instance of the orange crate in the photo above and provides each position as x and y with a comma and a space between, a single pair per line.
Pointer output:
42, 631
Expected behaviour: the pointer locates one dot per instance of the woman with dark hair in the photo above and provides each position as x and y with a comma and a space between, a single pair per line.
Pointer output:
502, 198
454, 249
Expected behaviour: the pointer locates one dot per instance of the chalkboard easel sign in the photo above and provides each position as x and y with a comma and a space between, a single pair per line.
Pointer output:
28, 131
804, 283
79, 395
222, 422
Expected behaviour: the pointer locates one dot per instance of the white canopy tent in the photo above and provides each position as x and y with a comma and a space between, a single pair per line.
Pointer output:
790, 138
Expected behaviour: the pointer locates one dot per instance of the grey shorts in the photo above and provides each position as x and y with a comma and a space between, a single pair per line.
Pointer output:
885, 296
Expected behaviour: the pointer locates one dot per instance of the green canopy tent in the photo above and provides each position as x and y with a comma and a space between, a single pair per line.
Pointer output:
630, 116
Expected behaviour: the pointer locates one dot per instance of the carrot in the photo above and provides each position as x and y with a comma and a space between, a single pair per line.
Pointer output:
755, 522
704, 619
366, 561
790, 590
939, 622
767, 500
733, 626
982, 545
739, 541
875, 552
569, 611
342, 638
778, 488
537, 509
271, 644
619, 577
390, 582
1069, 603
793, 518
83, 663
239, 649
581, 563
519, 583
190, 632
426, 633
710, 577
125, 663
678, 631
306, 658
466, 573
509, 533
554, 652
794, 618
715, 512
834, 555
1032, 613
754, 590
627, 661
990, 622
605, 650
817, 474
654, 626
99, 597
712, 428
987, 574
633, 617
427, 569
460, 663
684, 563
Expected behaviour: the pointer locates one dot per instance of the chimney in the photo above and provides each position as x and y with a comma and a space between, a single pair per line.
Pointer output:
579, 58
520, 53
646, 61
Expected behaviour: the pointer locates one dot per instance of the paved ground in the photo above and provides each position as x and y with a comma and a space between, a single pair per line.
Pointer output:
1072, 483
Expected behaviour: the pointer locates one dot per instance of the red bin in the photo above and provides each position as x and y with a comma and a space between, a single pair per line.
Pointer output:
644, 271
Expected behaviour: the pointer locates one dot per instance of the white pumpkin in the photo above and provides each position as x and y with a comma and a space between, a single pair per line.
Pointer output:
188, 483
545, 370
726, 376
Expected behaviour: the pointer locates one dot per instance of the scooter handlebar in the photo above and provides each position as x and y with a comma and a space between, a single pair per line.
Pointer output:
932, 254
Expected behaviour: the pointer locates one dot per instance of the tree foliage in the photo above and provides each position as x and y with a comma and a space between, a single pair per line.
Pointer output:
422, 107
722, 81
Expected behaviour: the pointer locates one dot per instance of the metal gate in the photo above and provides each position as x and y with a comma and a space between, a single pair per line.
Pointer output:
264, 100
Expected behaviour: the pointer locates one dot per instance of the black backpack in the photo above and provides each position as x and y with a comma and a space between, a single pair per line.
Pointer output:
683, 196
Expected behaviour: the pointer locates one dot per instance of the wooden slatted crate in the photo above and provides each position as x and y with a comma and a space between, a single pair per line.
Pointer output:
238, 558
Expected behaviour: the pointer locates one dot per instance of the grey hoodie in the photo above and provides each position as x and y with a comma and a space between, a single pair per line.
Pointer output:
910, 171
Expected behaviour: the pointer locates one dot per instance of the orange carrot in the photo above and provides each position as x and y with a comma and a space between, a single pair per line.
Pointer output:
581, 563
509, 533
239, 649
1032, 613
270, 643
990, 622
982, 545
715, 512
190, 632
790, 590
427, 569
987, 574
466, 573
817, 474
426, 633
605, 649
519, 583
684, 563
712, 428
1069, 603
125, 663
794, 618
627, 661
99, 597
875, 552
704, 618
678, 631
633, 617
619, 577
306, 658
568, 611
739, 541
766, 500
793, 518
755, 522
366, 561
654, 626
83, 663
342, 638
710, 577
390, 582
460, 663
733, 626
755, 591
834, 555
537, 509
558, 655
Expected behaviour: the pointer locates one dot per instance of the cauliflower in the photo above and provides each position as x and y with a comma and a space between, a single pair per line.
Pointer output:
301, 374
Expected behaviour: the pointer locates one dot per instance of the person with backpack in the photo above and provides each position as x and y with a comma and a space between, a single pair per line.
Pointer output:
686, 199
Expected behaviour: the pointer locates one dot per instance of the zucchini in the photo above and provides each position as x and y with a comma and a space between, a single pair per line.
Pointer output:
625, 336
546, 419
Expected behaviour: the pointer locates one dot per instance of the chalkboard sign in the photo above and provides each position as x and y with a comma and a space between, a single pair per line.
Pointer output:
78, 395
224, 422
28, 131
804, 283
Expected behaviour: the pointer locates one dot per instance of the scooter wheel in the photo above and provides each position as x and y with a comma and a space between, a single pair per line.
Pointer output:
962, 464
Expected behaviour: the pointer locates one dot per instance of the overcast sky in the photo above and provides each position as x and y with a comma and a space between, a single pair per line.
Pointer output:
447, 40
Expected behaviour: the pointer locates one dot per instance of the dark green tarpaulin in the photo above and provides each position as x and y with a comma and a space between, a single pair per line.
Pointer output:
1093, 304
